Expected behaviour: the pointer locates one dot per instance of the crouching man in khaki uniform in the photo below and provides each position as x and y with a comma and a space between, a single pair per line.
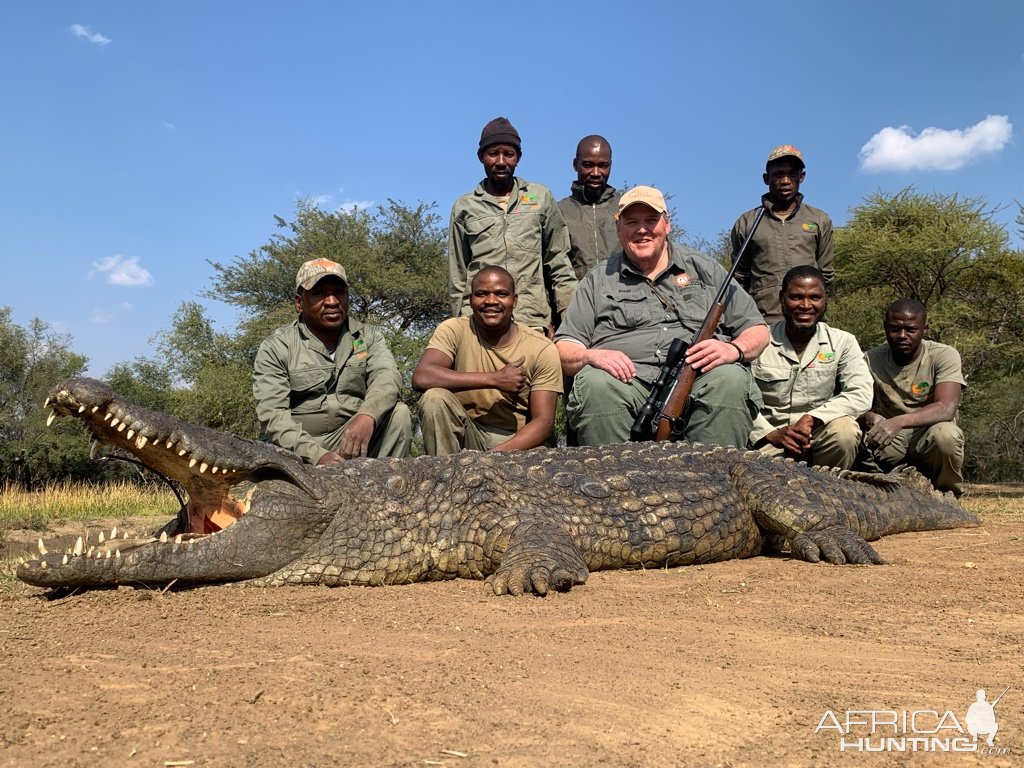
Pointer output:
813, 378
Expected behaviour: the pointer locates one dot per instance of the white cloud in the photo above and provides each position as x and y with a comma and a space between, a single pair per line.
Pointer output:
122, 270
169, 125
82, 32
896, 149
321, 201
351, 206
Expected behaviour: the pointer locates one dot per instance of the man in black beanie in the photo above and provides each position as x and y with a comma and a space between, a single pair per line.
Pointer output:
512, 223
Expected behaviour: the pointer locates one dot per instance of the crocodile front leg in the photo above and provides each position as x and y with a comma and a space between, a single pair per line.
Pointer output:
541, 556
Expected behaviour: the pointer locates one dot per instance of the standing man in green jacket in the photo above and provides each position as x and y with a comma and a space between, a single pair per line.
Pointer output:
791, 234
326, 386
512, 223
590, 210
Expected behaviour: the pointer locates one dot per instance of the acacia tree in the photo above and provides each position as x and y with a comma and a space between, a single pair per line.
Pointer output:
950, 254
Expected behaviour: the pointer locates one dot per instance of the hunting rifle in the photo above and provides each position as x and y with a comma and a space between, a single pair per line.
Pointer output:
661, 414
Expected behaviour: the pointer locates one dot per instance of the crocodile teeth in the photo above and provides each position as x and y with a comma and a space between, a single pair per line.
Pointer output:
182, 452
203, 467
102, 537
90, 552
42, 547
115, 421
94, 409
94, 448
192, 463
81, 409
163, 537
169, 444
51, 418
46, 403
113, 532
177, 539
79, 546
64, 560
131, 434
42, 565
214, 470
117, 553
108, 554
121, 427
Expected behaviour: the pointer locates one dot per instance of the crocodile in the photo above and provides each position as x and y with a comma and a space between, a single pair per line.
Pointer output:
526, 522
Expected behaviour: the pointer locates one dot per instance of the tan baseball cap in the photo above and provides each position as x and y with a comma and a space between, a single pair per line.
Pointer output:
649, 196
315, 270
786, 150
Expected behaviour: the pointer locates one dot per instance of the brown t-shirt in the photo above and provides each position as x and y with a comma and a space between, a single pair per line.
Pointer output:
902, 389
460, 341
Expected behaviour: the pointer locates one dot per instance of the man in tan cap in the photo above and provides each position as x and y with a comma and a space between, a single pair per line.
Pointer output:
791, 234
617, 331
326, 385
513, 223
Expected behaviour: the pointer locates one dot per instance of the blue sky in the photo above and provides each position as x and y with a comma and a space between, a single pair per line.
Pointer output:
140, 140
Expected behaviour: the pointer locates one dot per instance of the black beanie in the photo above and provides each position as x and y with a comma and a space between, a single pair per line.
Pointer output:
499, 131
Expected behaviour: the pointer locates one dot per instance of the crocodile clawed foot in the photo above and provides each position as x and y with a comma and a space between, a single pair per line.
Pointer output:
537, 578
837, 545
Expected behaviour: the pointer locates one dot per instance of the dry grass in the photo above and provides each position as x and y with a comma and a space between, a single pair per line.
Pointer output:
61, 502
995, 500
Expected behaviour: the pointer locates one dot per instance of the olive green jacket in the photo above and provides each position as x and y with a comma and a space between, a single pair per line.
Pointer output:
591, 227
301, 393
530, 240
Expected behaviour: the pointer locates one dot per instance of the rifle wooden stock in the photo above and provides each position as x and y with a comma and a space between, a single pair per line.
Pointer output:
675, 402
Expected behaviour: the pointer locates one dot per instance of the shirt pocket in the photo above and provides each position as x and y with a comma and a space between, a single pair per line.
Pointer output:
352, 377
481, 235
308, 388
629, 310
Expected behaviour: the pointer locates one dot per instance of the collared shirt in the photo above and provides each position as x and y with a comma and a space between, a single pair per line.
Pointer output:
827, 380
302, 393
904, 388
778, 245
529, 239
591, 227
617, 307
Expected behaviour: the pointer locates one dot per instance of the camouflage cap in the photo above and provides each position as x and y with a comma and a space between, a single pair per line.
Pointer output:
649, 196
786, 150
313, 271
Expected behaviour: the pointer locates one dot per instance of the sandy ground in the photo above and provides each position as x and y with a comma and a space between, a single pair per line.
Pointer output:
724, 665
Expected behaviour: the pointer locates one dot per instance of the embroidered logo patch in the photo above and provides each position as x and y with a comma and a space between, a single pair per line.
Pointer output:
682, 279
826, 357
920, 389
809, 226
359, 348
528, 198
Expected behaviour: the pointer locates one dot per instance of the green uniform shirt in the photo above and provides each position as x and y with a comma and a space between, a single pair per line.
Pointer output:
530, 240
805, 238
301, 393
830, 379
591, 227
902, 389
616, 307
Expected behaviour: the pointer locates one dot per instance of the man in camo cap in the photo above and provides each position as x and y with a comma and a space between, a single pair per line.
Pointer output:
791, 234
326, 385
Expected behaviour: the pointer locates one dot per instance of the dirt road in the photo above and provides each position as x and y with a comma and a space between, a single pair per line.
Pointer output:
730, 664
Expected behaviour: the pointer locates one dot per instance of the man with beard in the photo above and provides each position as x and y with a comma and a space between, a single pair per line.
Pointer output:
512, 223
791, 233
917, 387
618, 330
326, 385
488, 382
589, 210
813, 378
